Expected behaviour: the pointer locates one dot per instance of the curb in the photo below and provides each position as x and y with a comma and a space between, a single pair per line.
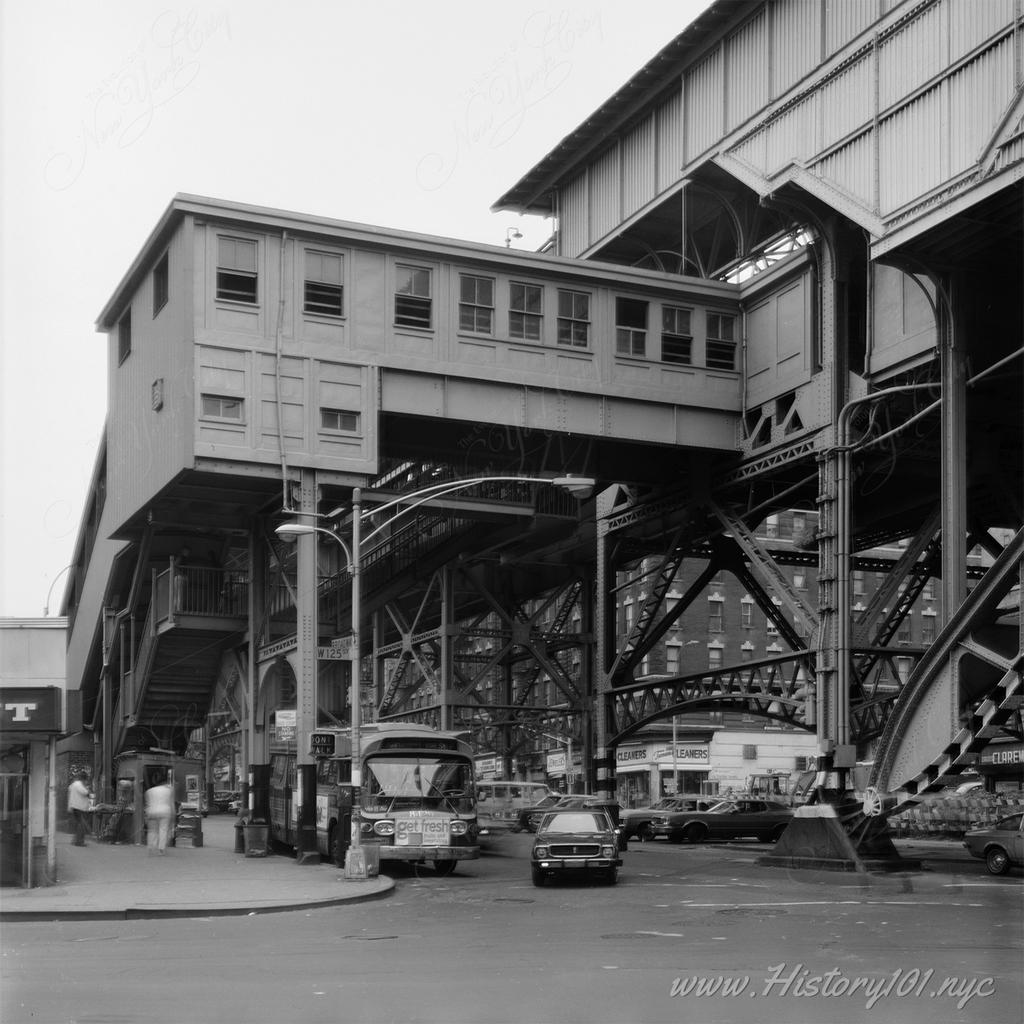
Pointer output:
144, 913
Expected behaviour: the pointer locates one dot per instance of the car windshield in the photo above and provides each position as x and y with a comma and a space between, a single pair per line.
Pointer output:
576, 821
1011, 823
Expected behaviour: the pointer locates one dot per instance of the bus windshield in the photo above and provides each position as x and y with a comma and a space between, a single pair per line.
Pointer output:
417, 781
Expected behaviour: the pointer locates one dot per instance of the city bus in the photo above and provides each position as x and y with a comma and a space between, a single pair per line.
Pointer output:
500, 802
417, 800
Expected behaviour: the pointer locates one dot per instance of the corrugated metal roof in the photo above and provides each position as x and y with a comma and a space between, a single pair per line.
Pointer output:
532, 193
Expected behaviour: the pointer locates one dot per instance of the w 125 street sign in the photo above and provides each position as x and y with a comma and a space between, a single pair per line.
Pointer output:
340, 650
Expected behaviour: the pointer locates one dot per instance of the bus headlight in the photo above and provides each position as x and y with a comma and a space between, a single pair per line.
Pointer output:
459, 828
384, 827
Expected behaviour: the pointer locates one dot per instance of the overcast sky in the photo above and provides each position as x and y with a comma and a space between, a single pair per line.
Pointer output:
409, 115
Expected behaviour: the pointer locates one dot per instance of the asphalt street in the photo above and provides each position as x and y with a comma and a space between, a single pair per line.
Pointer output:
690, 933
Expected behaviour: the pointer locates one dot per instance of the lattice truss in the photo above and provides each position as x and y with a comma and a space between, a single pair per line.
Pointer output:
514, 667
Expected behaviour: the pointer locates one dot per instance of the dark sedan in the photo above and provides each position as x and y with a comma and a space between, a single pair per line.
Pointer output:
581, 841
529, 817
636, 822
1000, 845
765, 820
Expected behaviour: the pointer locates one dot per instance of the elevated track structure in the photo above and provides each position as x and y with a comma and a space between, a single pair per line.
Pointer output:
785, 275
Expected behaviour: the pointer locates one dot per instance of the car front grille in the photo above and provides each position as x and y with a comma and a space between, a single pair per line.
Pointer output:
575, 850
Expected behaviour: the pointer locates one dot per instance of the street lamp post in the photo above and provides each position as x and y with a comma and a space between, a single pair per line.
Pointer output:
580, 487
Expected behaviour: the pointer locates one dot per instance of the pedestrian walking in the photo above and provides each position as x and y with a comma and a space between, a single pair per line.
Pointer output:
159, 811
79, 805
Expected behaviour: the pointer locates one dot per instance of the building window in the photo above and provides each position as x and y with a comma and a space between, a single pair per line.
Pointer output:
714, 658
525, 309
161, 284
746, 613
927, 628
903, 634
715, 616
800, 581
236, 270
412, 297
672, 652
340, 420
721, 341
630, 327
858, 583
749, 752
476, 304
771, 526
573, 318
124, 337
676, 336
322, 289
221, 407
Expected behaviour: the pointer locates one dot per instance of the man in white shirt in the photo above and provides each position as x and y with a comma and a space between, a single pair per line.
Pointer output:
159, 811
79, 805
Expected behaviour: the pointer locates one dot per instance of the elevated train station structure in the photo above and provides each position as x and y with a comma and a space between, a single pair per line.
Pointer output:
785, 274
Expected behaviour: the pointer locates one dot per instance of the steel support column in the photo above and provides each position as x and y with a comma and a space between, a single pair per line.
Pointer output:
307, 631
953, 479
604, 623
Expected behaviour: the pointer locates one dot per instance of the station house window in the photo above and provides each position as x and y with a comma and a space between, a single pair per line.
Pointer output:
525, 311
573, 318
340, 420
413, 303
322, 291
476, 304
676, 336
236, 270
721, 341
161, 284
124, 337
221, 407
630, 327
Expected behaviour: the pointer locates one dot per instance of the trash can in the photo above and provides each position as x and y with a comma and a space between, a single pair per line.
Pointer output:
257, 839
189, 829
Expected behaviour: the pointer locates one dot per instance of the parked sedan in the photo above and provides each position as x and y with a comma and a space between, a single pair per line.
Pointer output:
999, 845
575, 841
730, 819
636, 822
529, 817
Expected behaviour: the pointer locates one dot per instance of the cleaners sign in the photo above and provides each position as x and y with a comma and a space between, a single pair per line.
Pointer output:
695, 754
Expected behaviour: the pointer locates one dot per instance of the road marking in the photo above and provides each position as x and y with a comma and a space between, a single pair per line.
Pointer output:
664, 935
834, 903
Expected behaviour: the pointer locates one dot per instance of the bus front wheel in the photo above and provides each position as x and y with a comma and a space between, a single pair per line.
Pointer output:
444, 867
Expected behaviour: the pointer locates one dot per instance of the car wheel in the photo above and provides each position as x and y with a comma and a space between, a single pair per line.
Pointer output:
696, 833
538, 878
645, 833
444, 867
612, 876
515, 828
997, 861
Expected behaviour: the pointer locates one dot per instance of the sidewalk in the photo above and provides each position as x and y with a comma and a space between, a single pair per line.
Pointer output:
115, 882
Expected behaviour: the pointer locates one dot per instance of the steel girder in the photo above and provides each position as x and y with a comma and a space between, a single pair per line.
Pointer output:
466, 645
